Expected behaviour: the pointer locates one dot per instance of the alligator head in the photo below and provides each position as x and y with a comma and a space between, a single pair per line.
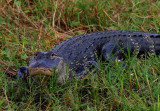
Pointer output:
44, 63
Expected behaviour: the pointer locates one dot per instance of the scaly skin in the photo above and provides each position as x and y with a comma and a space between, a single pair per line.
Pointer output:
83, 50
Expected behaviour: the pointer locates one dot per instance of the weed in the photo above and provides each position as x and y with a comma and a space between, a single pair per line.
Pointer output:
29, 26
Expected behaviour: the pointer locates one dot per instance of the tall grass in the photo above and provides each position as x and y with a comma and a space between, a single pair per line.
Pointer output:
29, 26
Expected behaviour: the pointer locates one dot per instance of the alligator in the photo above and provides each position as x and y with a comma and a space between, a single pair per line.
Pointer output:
73, 57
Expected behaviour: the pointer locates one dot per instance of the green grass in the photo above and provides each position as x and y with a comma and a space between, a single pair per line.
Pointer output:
29, 26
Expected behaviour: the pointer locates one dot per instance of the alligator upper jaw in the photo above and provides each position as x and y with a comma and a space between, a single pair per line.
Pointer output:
40, 70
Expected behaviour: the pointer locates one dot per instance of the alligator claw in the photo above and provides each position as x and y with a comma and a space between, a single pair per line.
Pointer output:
22, 72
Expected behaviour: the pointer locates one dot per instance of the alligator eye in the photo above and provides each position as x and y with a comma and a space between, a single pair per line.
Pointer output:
35, 55
52, 56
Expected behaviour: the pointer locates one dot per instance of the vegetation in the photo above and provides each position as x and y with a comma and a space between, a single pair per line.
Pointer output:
27, 26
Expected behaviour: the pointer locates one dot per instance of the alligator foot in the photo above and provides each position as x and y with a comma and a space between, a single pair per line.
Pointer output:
22, 72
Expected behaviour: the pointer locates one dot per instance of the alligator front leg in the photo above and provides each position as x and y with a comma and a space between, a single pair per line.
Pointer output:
112, 51
22, 72
88, 66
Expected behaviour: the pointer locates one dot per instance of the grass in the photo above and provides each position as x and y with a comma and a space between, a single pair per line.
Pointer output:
29, 26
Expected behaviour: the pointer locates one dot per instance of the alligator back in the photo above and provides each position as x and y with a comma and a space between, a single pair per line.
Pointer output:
87, 47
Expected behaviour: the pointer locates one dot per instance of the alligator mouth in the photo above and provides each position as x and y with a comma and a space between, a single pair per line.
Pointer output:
40, 70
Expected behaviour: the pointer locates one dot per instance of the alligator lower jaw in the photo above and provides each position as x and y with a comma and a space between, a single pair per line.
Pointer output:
40, 70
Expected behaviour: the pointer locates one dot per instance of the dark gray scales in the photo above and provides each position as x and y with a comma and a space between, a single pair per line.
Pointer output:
81, 50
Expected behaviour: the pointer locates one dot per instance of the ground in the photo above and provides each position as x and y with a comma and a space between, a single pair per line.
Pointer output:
29, 26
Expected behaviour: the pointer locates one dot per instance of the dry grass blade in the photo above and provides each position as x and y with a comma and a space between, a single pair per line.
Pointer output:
9, 70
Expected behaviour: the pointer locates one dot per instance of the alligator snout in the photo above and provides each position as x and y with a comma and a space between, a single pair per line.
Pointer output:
41, 64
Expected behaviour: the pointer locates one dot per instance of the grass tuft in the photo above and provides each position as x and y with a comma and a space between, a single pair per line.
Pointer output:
28, 26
